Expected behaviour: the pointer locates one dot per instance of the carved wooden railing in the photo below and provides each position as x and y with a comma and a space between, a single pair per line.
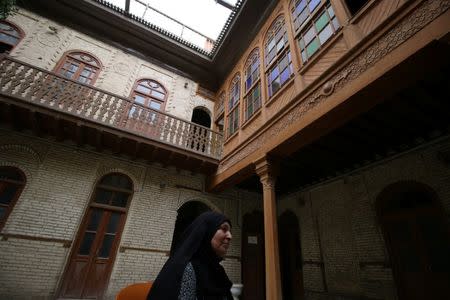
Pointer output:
32, 84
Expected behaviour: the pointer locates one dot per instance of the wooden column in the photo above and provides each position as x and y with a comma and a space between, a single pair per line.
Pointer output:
267, 172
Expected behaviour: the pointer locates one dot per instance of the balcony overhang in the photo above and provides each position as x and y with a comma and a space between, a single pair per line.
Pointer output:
52, 106
131, 35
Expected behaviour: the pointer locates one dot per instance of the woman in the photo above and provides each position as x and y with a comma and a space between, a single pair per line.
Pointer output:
193, 271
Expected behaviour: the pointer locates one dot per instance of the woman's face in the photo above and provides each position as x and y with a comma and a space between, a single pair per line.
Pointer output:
221, 240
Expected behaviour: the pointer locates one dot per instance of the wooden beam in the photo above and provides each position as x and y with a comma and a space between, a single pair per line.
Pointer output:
80, 134
117, 145
98, 140
35, 120
58, 129
136, 149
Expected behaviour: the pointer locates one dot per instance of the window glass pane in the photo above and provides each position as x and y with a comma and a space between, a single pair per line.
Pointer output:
8, 39
313, 4
113, 223
67, 74
309, 35
103, 196
300, 6
248, 83
105, 250
312, 48
275, 85
158, 95
280, 45
139, 99
155, 105
304, 57
73, 68
273, 74
335, 23
96, 216
285, 75
322, 21
271, 44
303, 16
331, 11
143, 89
120, 199
325, 34
82, 79
85, 247
86, 72
301, 43
116, 180
5, 26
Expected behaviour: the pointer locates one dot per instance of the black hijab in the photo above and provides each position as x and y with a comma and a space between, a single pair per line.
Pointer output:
195, 247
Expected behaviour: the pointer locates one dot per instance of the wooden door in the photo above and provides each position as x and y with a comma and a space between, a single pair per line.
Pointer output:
253, 259
93, 253
91, 262
418, 239
290, 257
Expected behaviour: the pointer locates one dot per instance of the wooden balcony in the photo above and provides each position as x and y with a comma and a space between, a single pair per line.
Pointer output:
49, 103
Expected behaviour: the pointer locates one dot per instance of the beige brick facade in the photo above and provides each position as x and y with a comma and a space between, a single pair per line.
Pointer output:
60, 180
46, 41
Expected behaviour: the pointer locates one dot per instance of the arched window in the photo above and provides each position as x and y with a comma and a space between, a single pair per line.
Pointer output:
233, 105
314, 24
149, 93
277, 56
79, 66
10, 36
12, 181
252, 95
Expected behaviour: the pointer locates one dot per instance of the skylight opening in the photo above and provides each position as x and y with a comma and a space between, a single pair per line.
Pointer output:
199, 22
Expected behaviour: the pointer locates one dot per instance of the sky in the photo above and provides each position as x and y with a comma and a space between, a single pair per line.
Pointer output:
205, 16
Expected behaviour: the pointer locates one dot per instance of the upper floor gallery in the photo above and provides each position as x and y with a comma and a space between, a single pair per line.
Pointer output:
278, 67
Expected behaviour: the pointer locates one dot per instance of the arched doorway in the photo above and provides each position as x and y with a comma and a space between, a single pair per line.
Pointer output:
201, 116
198, 134
252, 257
290, 256
417, 237
186, 214
95, 247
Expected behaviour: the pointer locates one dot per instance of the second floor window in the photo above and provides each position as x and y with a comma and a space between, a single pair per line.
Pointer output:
149, 93
252, 95
277, 56
79, 66
10, 36
233, 105
315, 24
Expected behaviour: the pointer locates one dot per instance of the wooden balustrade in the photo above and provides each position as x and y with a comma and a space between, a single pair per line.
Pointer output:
32, 84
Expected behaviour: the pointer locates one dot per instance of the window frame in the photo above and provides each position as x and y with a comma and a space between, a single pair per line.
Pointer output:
278, 24
19, 31
233, 107
70, 56
310, 22
148, 97
256, 83
20, 184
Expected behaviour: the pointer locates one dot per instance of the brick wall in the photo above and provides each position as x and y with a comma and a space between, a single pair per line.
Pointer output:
339, 227
60, 180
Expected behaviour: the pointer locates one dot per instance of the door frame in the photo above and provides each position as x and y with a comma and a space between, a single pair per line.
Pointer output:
82, 227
